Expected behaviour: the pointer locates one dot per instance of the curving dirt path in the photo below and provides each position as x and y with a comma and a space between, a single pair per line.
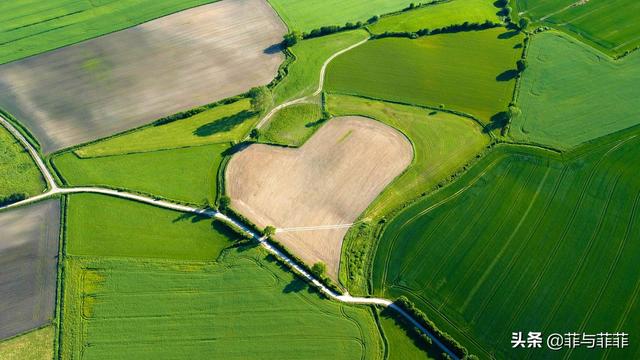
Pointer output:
304, 99
55, 190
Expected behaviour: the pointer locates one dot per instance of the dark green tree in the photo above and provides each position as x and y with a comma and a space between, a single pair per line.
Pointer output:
524, 23
521, 65
269, 231
291, 38
319, 269
260, 98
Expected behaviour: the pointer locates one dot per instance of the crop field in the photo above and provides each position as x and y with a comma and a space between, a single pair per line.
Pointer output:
443, 143
401, 339
29, 27
124, 228
28, 259
569, 100
303, 76
303, 15
129, 78
35, 345
605, 24
235, 309
330, 180
184, 174
438, 16
293, 125
221, 124
473, 72
524, 241
18, 172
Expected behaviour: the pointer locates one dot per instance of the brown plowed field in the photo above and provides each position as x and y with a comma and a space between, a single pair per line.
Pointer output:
125, 79
28, 260
330, 180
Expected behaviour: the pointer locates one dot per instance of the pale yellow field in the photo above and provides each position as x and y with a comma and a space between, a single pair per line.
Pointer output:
330, 180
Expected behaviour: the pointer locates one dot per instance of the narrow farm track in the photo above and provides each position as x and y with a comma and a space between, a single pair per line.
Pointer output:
307, 98
54, 190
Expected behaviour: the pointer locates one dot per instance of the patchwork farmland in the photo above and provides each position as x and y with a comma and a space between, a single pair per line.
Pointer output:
605, 24
567, 261
326, 182
126, 79
285, 179
554, 113
471, 72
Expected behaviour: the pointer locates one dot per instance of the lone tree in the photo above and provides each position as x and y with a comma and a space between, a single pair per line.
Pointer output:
260, 98
269, 231
524, 23
521, 65
291, 39
373, 19
319, 269
225, 201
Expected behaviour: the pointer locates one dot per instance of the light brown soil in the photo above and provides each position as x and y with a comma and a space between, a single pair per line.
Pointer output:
330, 180
126, 79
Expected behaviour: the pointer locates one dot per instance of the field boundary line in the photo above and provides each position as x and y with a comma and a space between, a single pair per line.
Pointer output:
214, 214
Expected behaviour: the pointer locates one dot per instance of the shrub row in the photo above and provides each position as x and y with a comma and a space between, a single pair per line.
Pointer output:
448, 341
466, 26
195, 111
328, 282
13, 198
326, 30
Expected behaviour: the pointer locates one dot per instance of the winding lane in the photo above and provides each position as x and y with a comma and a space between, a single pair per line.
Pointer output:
54, 190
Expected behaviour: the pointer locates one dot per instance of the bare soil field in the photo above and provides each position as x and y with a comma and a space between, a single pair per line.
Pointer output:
330, 180
28, 259
125, 79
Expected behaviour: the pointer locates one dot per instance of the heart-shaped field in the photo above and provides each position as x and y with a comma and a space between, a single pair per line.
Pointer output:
311, 194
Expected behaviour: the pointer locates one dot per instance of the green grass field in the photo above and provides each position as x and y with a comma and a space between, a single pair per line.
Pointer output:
18, 172
402, 341
438, 16
182, 174
99, 225
472, 72
222, 124
605, 24
34, 345
243, 307
293, 125
524, 241
566, 100
304, 73
443, 143
29, 27
303, 15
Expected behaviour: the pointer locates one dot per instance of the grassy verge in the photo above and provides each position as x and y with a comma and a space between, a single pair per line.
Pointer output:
18, 172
